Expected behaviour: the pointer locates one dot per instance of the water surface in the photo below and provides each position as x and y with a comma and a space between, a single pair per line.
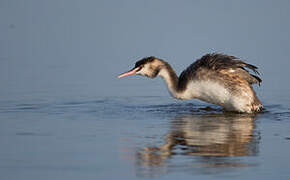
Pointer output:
141, 137
64, 114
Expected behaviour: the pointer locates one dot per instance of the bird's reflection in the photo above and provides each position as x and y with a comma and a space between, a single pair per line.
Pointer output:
206, 140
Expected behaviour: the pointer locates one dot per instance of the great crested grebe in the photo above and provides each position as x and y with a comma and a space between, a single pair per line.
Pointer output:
215, 78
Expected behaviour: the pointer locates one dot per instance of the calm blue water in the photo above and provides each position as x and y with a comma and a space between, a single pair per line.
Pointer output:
64, 114
141, 137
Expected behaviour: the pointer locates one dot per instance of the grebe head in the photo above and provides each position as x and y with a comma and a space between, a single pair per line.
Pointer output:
148, 66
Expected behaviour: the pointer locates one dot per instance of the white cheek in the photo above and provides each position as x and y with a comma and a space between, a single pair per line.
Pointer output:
144, 71
141, 72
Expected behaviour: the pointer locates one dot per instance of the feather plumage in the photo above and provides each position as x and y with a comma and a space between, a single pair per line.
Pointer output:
217, 63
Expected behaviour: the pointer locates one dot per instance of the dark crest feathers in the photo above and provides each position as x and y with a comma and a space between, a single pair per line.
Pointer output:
144, 61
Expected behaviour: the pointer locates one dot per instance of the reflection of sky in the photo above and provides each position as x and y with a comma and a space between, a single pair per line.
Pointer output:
78, 47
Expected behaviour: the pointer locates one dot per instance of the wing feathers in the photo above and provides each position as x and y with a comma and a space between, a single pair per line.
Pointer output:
216, 62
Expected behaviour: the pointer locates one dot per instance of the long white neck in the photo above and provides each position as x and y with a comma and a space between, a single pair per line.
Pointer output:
171, 79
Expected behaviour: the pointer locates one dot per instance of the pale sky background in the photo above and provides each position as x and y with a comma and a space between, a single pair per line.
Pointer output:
60, 48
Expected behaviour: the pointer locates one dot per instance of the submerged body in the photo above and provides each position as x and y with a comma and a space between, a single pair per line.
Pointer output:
215, 78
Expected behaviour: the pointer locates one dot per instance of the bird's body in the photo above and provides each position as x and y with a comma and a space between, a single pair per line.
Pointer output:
215, 78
